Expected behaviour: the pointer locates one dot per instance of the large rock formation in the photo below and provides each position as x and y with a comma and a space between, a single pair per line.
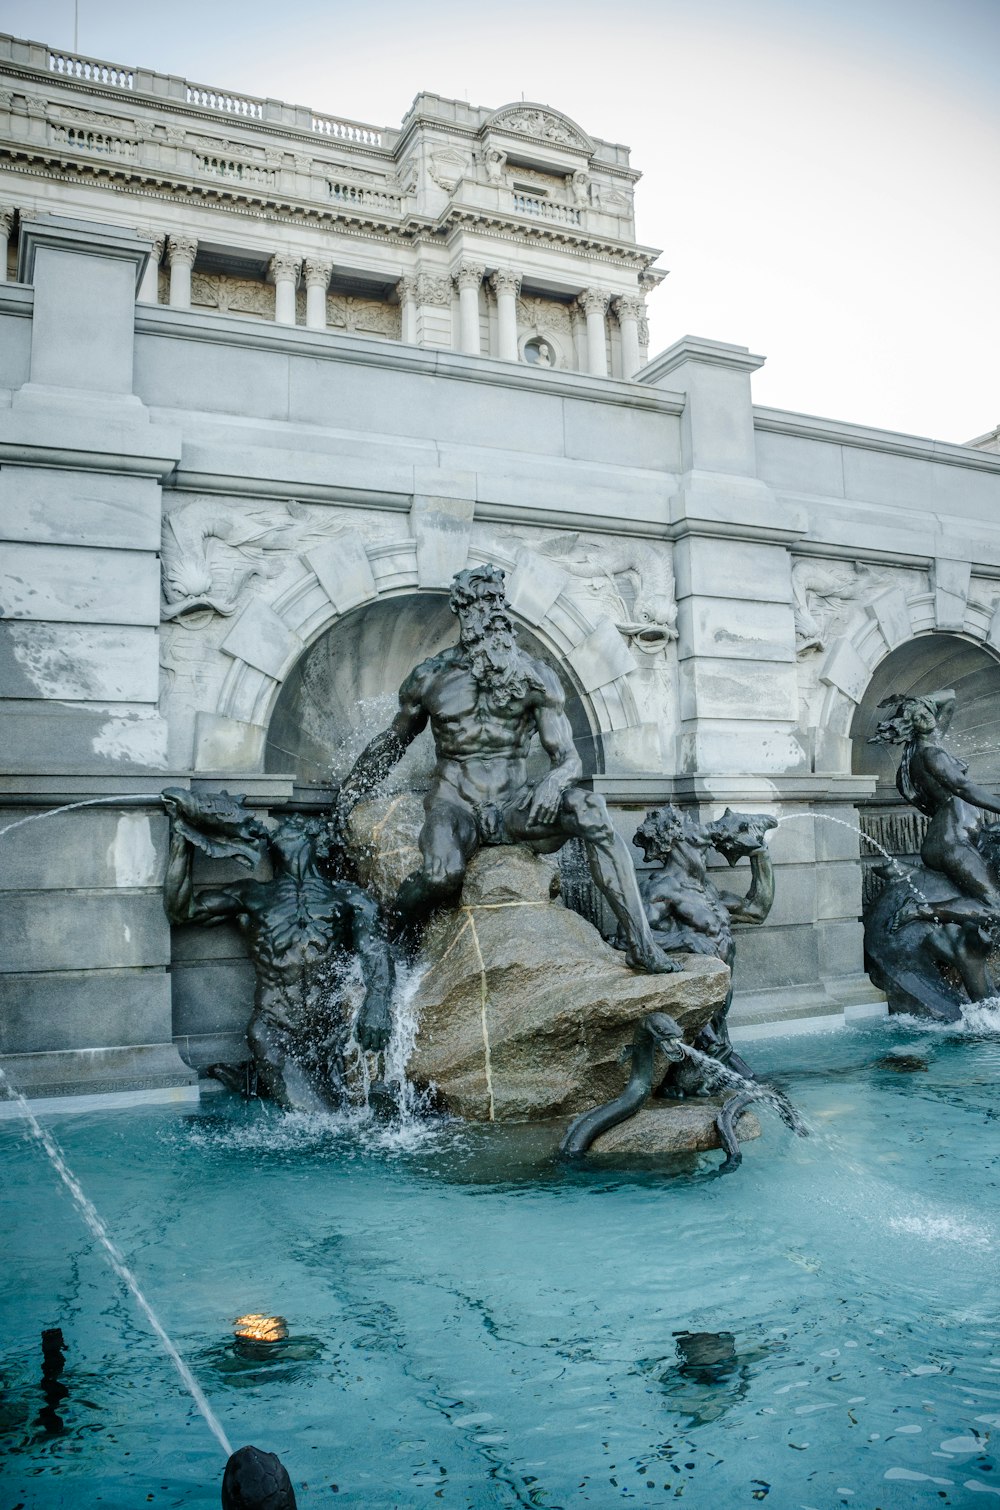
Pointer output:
524, 1011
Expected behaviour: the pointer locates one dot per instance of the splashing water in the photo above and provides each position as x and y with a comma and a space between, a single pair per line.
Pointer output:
93, 1221
68, 807
717, 1074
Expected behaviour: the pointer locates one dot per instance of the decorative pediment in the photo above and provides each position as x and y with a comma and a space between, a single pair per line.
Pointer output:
540, 123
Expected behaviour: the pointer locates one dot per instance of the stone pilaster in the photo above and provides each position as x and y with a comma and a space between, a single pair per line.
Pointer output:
506, 285
468, 278
594, 303
434, 321
316, 272
7, 214
284, 268
181, 252
149, 292
406, 288
630, 309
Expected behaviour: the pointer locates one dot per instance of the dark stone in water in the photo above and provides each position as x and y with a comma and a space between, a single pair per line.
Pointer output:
706, 1355
256, 1480
902, 1064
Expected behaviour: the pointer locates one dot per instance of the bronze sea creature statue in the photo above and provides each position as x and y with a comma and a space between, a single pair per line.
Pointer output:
931, 931
304, 929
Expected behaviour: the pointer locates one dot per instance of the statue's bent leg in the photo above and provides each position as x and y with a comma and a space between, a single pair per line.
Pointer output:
448, 840
281, 1078
585, 816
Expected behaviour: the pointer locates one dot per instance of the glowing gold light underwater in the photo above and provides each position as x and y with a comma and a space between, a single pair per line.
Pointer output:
261, 1328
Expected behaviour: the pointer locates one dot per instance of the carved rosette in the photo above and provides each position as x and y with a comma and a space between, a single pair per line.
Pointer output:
316, 272
506, 281
285, 267
594, 301
433, 290
469, 275
181, 251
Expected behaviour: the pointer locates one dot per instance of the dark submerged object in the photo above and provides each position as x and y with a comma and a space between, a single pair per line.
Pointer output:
686, 910
256, 1480
485, 699
303, 929
930, 932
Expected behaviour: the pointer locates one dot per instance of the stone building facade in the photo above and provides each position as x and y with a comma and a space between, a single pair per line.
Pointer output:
267, 380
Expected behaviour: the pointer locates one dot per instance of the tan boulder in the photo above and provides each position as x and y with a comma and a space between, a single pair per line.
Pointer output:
523, 1009
667, 1127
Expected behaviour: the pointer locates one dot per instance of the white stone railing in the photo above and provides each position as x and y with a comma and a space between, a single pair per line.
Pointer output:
238, 172
368, 199
544, 209
230, 104
91, 69
347, 131
83, 139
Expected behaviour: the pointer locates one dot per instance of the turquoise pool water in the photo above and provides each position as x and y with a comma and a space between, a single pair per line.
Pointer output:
472, 1326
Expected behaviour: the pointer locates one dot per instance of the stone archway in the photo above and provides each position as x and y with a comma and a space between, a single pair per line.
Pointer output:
269, 638
342, 690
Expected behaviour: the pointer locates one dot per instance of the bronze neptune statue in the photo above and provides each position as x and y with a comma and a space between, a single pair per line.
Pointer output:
484, 700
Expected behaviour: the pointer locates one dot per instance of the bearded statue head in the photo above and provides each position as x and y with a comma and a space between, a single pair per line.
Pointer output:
487, 633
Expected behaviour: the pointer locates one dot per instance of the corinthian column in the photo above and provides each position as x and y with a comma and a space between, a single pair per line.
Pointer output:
284, 269
468, 278
594, 303
181, 252
7, 213
317, 276
406, 288
506, 285
629, 308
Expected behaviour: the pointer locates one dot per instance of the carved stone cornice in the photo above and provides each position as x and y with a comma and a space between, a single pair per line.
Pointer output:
469, 275
434, 290
316, 272
629, 307
181, 250
407, 289
594, 301
7, 214
284, 267
506, 281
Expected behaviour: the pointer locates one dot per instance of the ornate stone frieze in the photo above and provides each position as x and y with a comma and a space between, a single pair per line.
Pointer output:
506, 281
434, 290
543, 124
448, 166
237, 296
364, 316
469, 275
181, 250
548, 315
825, 593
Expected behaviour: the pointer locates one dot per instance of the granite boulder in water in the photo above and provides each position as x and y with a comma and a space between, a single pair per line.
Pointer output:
524, 1011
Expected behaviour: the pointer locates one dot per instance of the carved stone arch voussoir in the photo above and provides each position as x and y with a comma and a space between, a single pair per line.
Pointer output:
267, 640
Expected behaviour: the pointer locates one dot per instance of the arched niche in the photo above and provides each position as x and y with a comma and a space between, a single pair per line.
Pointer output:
931, 663
343, 690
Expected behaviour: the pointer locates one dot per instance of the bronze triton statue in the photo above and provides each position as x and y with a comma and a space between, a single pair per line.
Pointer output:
302, 928
484, 699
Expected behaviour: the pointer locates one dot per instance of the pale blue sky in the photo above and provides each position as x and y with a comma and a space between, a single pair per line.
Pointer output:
822, 177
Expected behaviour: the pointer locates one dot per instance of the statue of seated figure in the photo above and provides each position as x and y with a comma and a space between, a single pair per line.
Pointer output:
485, 699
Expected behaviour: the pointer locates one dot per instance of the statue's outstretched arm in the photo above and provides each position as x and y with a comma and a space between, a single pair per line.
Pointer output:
378, 758
948, 771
